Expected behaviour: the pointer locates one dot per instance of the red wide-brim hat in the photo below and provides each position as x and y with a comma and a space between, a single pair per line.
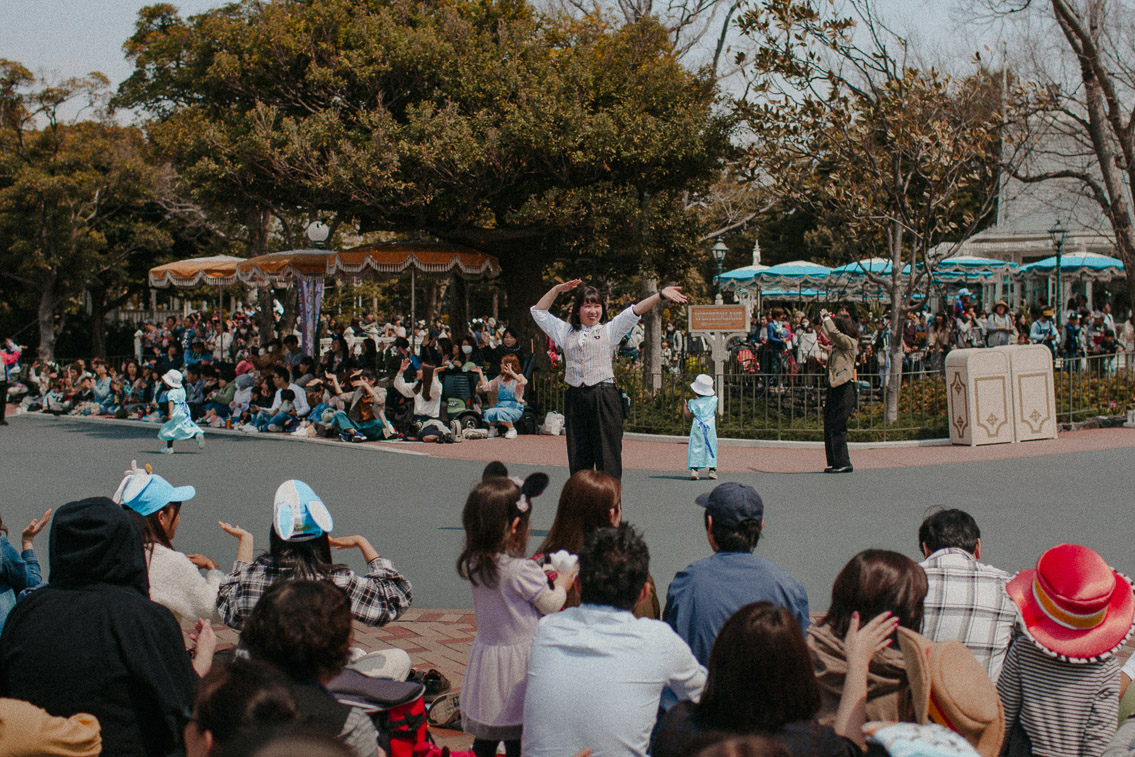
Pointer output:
1073, 605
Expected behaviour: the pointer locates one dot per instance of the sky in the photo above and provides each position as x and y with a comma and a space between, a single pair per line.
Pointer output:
59, 39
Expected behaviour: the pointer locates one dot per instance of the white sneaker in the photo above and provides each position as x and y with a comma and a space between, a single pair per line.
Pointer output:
510, 434
200, 441
167, 450
693, 474
493, 433
712, 473
274, 428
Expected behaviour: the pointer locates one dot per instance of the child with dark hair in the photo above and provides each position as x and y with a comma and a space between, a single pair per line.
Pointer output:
234, 700
510, 594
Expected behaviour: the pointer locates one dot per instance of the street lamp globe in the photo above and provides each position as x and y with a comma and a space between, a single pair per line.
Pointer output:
317, 232
720, 250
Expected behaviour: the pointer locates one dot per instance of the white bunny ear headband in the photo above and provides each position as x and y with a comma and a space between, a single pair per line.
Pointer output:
139, 477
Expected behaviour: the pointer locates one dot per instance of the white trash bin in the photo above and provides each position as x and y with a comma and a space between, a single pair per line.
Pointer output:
979, 397
1033, 389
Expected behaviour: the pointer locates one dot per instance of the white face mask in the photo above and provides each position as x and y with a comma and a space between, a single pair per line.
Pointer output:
468, 350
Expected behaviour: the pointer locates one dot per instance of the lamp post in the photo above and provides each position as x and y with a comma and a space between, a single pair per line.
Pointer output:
719, 253
1058, 234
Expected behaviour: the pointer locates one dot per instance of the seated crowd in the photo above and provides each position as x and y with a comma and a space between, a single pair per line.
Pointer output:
354, 394
574, 652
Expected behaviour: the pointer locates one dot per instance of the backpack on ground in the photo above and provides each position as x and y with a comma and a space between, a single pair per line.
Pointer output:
397, 709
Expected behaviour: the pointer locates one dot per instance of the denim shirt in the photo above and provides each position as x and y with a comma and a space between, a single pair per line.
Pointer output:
18, 571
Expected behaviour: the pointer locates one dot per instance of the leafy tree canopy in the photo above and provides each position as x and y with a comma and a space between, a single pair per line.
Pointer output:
473, 121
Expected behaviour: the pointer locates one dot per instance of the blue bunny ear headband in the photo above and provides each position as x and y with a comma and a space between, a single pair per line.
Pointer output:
298, 514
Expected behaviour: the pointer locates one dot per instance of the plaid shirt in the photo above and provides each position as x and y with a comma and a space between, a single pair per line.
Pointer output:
377, 598
966, 601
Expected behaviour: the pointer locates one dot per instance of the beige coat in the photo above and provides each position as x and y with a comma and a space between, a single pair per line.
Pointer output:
841, 362
888, 691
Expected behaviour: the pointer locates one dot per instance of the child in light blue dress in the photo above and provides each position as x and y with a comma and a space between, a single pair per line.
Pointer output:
180, 425
702, 451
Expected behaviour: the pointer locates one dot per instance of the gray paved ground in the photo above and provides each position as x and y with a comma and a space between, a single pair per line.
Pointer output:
409, 506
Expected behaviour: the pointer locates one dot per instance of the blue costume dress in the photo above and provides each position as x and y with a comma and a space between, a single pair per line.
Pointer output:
507, 409
703, 433
180, 425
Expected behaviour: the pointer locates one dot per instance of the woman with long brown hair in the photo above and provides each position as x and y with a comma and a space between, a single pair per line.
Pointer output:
873, 583
426, 394
591, 500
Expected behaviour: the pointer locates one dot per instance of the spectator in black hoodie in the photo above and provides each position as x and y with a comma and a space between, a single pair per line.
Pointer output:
92, 641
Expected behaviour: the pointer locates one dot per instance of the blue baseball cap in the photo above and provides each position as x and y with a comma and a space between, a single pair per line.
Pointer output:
730, 503
146, 493
298, 514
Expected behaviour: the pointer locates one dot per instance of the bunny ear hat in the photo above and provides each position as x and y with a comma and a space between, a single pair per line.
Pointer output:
145, 492
298, 514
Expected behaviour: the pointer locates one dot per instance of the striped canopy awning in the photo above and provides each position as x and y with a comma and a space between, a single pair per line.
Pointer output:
217, 270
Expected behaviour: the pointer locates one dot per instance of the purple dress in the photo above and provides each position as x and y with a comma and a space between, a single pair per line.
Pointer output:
492, 698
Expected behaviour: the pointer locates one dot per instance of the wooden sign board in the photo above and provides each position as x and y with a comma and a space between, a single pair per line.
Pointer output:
710, 318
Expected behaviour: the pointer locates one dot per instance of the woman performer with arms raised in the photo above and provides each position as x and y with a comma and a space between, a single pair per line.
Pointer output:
593, 409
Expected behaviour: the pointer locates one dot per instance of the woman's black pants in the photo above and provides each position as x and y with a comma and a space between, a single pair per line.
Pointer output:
593, 417
840, 404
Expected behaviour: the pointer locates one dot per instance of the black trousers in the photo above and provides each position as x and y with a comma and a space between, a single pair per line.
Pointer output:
840, 404
593, 417
3, 398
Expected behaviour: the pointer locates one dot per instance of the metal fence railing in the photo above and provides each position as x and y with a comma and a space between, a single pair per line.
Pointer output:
789, 406
1094, 385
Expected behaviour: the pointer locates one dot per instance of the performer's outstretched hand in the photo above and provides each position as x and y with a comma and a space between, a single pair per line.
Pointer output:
567, 286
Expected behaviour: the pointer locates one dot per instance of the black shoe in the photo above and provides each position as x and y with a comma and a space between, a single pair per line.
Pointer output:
829, 469
844, 469
3, 422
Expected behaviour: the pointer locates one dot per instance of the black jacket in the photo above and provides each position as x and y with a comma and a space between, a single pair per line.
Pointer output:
92, 641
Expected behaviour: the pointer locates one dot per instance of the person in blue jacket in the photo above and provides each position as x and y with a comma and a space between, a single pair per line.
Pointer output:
19, 570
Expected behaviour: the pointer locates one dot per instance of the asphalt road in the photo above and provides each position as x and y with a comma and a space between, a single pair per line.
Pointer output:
409, 506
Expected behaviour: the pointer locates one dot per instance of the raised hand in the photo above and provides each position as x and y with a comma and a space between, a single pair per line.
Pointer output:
861, 644
674, 294
234, 531
34, 528
567, 286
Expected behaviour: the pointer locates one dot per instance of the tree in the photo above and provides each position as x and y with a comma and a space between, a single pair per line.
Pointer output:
72, 195
894, 158
532, 138
1077, 109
